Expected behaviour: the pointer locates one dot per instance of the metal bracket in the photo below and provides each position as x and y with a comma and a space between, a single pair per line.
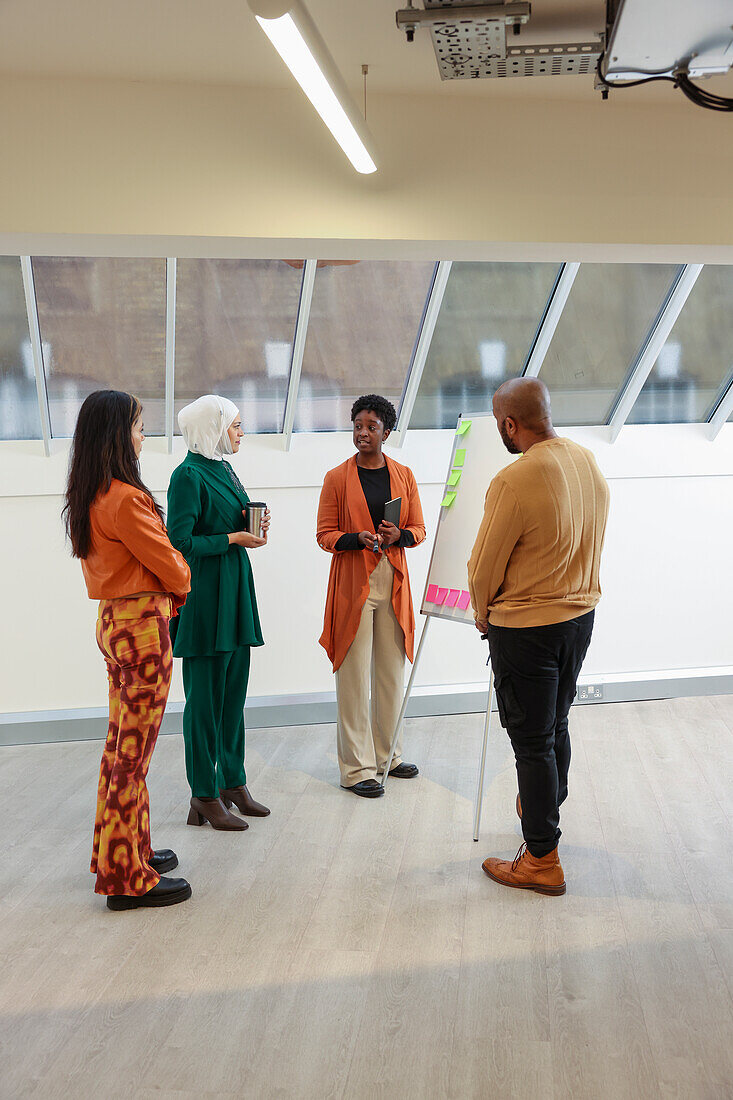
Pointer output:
548, 59
721, 411
470, 42
171, 267
514, 14
296, 358
655, 340
422, 347
34, 332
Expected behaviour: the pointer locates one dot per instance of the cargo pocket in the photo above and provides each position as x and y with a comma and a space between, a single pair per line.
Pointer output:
511, 712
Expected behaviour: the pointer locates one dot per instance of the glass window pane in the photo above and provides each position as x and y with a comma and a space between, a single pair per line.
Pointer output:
102, 325
608, 314
235, 323
697, 359
19, 416
363, 325
488, 319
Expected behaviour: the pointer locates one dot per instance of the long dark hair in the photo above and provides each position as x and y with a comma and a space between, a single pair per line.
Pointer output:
102, 449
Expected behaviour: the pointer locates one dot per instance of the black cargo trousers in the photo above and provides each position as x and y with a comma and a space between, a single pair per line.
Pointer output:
535, 676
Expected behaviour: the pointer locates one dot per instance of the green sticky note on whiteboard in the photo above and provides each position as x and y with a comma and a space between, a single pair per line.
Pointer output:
460, 458
455, 477
463, 427
447, 500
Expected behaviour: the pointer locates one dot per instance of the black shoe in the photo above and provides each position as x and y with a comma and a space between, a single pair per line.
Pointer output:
169, 891
405, 771
164, 860
368, 788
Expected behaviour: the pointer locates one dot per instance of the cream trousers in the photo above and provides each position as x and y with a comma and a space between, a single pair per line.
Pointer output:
376, 659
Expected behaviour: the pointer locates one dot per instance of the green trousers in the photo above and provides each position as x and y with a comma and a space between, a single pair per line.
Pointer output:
213, 721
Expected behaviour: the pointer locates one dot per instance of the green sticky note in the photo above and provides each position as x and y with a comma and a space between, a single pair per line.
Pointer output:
463, 427
447, 500
460, 458
455, 477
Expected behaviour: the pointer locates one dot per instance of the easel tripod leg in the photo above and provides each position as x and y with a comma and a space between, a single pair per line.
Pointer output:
405, 701
482, 767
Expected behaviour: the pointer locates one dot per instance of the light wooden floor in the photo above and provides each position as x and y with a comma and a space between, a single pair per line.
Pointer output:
349, 948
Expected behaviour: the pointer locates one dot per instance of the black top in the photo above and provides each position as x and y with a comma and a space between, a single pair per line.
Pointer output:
377, 491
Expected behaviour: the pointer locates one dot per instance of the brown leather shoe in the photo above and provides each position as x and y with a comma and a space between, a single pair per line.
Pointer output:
244, 802
544, 875
215, 812
519, 808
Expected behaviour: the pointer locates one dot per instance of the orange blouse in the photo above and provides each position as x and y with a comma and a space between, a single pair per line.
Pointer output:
130, 550
343, 509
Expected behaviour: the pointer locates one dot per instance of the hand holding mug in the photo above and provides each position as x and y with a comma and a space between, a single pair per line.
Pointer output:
264, 526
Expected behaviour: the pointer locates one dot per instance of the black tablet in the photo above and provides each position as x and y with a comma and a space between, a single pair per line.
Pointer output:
392, 511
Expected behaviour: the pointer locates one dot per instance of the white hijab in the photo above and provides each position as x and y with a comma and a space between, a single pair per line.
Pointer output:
204, 425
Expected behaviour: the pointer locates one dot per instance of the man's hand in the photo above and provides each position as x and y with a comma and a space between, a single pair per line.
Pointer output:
389, 533
482, 625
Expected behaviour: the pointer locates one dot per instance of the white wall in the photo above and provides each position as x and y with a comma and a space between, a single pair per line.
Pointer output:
668, 598
138, 158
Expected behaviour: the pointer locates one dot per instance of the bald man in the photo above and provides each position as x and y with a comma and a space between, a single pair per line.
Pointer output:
533, 577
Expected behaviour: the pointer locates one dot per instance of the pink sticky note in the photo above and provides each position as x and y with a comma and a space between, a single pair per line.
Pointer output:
450, 600
440, 598
463, 601
431, 593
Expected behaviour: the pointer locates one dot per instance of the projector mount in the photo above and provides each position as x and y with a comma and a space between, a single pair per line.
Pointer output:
512, 14
668, 40
470, 42
648, 40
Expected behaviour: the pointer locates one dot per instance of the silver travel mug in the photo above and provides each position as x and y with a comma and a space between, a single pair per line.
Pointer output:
255, 514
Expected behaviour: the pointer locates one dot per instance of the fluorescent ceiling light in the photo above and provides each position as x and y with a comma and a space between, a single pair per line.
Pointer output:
295, 37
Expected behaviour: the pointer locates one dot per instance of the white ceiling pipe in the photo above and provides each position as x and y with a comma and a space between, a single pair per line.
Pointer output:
298, 41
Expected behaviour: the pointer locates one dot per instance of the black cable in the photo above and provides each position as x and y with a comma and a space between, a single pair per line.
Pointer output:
631, 83
697, 95
702, 97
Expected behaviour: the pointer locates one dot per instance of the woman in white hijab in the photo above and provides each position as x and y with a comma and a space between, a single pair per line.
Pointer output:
219, 623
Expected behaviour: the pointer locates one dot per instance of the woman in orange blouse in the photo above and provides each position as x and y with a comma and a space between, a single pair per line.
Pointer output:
369, 624
116, 528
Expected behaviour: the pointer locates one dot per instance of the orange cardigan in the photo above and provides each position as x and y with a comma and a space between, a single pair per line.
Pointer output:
343, 509
130, 550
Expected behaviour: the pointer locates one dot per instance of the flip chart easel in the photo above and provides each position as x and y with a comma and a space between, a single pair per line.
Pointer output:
485, 741
477, 455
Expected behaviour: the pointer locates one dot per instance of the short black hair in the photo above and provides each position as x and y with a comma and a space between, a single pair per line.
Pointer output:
372, 402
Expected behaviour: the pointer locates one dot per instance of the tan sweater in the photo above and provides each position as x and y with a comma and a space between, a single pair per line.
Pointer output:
538, 550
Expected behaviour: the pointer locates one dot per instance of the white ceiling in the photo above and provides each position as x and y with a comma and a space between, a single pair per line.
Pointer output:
218, 41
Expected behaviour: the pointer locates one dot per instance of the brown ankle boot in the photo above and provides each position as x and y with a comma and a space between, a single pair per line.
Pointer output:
527, 872
215, 812
244, 802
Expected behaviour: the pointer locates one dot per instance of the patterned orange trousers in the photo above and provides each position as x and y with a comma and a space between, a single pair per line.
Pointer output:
132, 634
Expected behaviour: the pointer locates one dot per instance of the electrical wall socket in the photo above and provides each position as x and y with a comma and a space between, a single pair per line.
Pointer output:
590, 691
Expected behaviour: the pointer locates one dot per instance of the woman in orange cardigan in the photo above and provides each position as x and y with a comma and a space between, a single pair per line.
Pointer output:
369, 624
116, 528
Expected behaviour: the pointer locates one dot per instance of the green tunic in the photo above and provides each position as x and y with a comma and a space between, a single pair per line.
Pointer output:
220, 613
